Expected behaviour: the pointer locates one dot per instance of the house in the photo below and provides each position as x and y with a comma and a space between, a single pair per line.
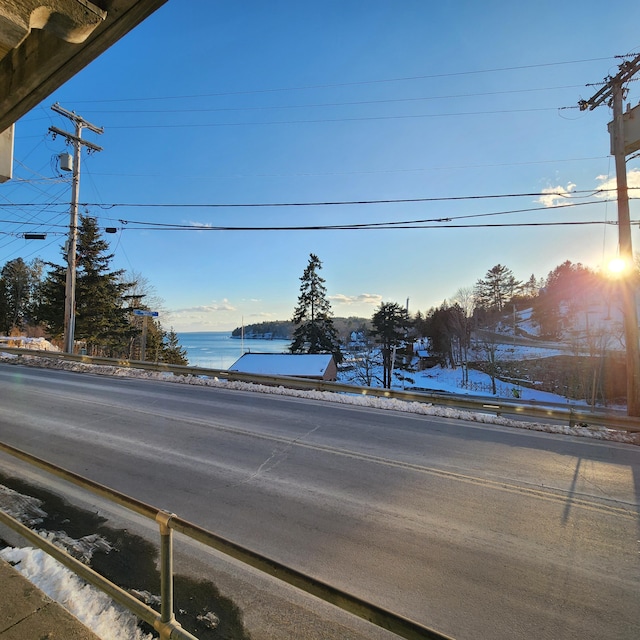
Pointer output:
315, 366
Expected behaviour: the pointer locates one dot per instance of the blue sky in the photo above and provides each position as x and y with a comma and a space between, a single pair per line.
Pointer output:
213, 103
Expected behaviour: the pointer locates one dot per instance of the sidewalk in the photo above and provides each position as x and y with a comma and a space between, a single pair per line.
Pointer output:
26, 613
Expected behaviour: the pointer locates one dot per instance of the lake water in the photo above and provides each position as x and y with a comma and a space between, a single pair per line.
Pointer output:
218, 350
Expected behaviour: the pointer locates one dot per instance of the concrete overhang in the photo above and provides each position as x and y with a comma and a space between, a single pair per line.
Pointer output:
43, 43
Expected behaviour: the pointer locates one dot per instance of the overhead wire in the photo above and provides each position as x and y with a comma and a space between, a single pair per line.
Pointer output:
330, 203
196, 125
333, 203
347, 84
443, 222
173, 176
334, 104
438, 223
30, 221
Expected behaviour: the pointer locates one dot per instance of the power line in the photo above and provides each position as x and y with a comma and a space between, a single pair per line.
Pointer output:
173, 176
368, 224
442, 222
348, 84
373, 227
348, 202
329, 203
335, 104
186, 125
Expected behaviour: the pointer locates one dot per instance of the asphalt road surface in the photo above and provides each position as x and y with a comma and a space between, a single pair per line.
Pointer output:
473, 530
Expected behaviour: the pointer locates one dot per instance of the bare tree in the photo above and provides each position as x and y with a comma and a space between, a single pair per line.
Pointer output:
464, 298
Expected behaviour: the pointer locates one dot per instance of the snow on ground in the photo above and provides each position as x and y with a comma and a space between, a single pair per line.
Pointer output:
479, 384
94, 608
22, 342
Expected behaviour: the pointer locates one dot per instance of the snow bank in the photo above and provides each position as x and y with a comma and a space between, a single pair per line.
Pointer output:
91, 606
423, 408
22, 342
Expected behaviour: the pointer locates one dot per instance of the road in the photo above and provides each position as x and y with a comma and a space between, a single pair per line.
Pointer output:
474, 530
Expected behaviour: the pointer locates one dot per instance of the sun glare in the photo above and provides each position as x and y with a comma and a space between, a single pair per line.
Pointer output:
617, 267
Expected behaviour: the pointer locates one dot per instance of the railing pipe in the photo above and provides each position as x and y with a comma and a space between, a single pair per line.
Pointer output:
139, 609
95, 487
399, 625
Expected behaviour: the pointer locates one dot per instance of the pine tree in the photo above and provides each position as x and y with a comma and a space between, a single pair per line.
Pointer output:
449, 333
49, 308
172, 352
497, 288
390, 322
17, 283
315, 332
102, 315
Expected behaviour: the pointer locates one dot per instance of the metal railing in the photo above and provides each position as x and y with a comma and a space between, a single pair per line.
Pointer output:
164, 621
572, 415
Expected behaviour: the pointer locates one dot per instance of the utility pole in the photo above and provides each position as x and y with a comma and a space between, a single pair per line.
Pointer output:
70, 286
613, 93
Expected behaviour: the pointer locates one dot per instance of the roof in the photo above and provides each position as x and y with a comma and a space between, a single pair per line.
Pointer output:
307, 365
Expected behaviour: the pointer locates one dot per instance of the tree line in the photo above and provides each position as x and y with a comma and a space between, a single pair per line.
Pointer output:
386, 341
32, 301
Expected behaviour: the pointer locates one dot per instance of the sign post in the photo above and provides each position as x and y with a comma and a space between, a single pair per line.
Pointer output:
143, 340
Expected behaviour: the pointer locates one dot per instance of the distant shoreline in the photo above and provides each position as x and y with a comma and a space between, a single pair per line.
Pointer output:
259, 337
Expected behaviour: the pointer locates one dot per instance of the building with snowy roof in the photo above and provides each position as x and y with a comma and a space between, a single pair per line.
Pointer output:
315, 366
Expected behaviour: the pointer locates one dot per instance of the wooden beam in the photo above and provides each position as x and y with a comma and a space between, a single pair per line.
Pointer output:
43, 62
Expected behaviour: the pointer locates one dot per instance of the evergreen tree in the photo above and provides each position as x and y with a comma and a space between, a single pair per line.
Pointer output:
49, 307
102, 315
531, 288
497, 288
315, 332
448, 330
172, 352
17, 282
390, 322
420, 324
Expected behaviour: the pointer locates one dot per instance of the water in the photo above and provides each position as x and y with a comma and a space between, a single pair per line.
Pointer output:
218, 350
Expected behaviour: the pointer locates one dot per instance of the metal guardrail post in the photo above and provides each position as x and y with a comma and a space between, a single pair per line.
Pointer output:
169, 630
141, 610
166, 574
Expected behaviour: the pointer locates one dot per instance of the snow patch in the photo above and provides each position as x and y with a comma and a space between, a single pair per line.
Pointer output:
92, 607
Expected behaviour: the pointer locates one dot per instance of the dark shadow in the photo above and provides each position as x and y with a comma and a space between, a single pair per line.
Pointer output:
132, 564
571, 492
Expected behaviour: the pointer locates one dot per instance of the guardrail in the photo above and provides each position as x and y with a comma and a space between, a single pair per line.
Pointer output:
572, 415
164, 621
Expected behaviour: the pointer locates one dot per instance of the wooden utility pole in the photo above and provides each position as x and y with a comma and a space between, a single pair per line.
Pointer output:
613, 93
70, 287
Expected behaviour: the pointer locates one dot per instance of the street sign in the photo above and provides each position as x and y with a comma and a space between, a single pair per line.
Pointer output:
144, 312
